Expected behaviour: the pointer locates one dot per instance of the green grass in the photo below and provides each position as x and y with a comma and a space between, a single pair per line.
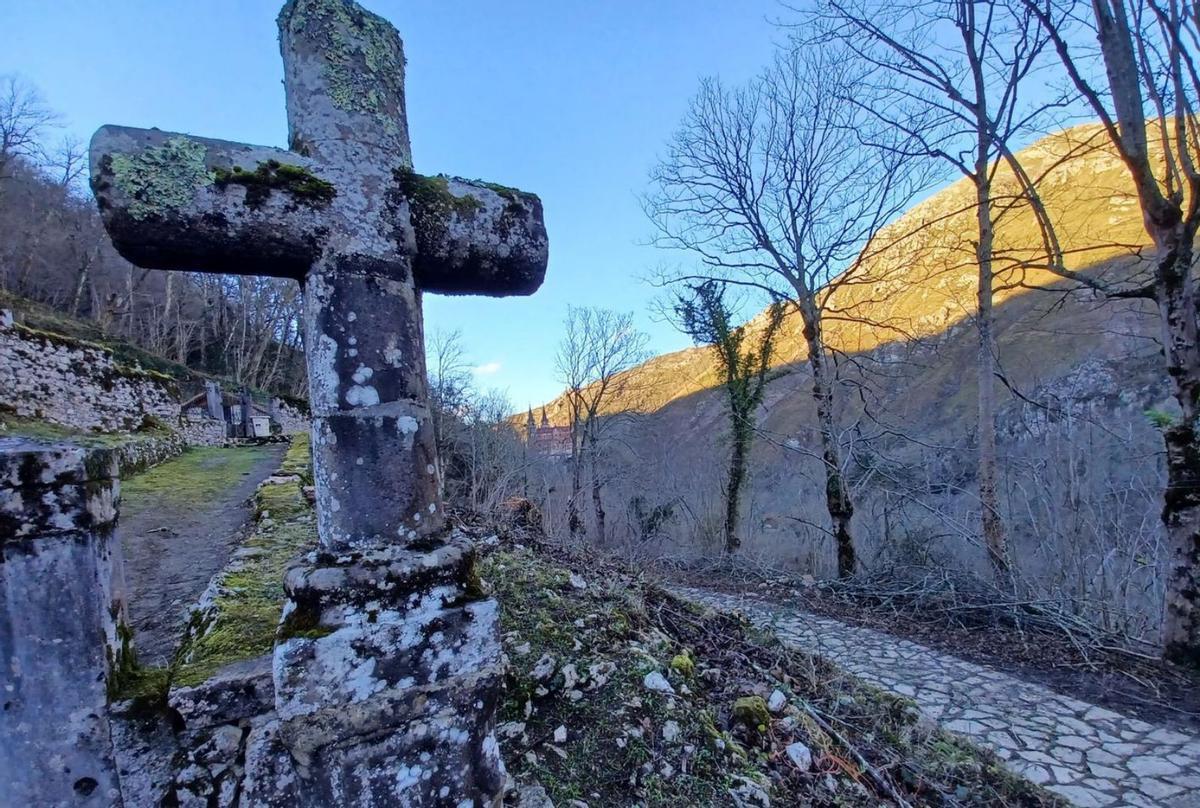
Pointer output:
244, 618
197, 476
53, 433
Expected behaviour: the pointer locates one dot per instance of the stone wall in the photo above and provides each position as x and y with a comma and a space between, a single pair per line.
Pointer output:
140, 452
291, 418
79, 385
198, 429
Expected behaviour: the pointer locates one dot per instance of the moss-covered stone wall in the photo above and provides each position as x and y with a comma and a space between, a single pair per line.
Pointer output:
80, 385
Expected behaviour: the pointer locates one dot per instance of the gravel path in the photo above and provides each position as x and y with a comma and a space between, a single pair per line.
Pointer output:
1089, 755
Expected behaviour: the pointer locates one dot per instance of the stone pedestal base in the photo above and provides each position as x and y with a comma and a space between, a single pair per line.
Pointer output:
387, 673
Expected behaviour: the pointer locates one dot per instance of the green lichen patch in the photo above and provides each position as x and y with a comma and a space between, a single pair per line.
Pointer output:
242, 621
160, 179
581, 719
364, 58
272, 175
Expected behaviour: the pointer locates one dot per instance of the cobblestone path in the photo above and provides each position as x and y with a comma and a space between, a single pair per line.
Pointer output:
1089, 755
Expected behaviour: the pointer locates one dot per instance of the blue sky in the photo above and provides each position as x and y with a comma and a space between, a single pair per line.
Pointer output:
571, 100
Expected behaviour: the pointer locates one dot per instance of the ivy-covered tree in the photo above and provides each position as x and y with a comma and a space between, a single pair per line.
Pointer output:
743, 360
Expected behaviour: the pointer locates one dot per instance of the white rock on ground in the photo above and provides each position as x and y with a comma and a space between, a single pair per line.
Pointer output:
657, 682
800, 755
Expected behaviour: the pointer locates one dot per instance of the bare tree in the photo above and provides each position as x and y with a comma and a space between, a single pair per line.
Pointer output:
597, 349
783, 185
703, 314
963, 64
24, 121
1144, 85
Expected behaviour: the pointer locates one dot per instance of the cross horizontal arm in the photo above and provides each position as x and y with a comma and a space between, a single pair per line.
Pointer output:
475, 238
173, 201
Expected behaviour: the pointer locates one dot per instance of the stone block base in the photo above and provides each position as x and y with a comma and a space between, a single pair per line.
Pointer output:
387, 674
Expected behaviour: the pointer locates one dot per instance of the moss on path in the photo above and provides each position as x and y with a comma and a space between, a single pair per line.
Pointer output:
240, 622
198, 478
179, 523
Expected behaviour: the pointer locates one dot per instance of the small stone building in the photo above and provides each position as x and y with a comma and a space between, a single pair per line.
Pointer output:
242, 416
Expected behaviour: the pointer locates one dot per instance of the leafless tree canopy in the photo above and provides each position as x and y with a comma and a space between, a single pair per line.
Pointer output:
598, 347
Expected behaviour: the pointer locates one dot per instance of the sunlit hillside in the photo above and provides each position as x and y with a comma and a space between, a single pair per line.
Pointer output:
919, 277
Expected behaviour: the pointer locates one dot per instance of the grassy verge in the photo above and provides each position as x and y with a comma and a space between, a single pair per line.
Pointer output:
241, 622
579, 718
195, 477
17, 427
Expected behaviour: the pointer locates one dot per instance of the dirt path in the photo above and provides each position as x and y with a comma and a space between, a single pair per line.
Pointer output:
1089, 755
179, 523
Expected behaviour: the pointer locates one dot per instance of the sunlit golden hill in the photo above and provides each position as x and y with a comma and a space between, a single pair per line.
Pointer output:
921, 268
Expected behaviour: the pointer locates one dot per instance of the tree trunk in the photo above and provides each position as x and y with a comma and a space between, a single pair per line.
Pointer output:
837, 495
1175, 289
733, 489
597, 501
994, 537
574, 522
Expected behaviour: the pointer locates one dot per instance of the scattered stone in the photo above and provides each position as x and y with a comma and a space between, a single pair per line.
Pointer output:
800, 755
777, 701
533, 795
560, 734
577, 581
543, 669
657, 682
671, 731
748, 794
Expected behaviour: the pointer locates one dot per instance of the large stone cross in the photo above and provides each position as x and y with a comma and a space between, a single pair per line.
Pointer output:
343, 212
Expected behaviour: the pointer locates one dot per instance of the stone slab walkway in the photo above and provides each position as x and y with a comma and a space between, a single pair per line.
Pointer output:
1089, 755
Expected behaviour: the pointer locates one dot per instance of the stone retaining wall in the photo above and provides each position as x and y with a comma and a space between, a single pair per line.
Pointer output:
292, 419
79, 385
202, 430
141, 452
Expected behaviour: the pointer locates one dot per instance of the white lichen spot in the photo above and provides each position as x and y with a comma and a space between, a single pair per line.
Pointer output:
362, 396
392, 353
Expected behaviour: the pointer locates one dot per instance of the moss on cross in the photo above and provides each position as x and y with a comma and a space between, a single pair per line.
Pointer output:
160, 178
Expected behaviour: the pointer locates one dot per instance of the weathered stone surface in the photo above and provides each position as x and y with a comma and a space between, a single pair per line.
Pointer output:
78, 385
49, 490
61, 624
238, 691
387, 675
387, 664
